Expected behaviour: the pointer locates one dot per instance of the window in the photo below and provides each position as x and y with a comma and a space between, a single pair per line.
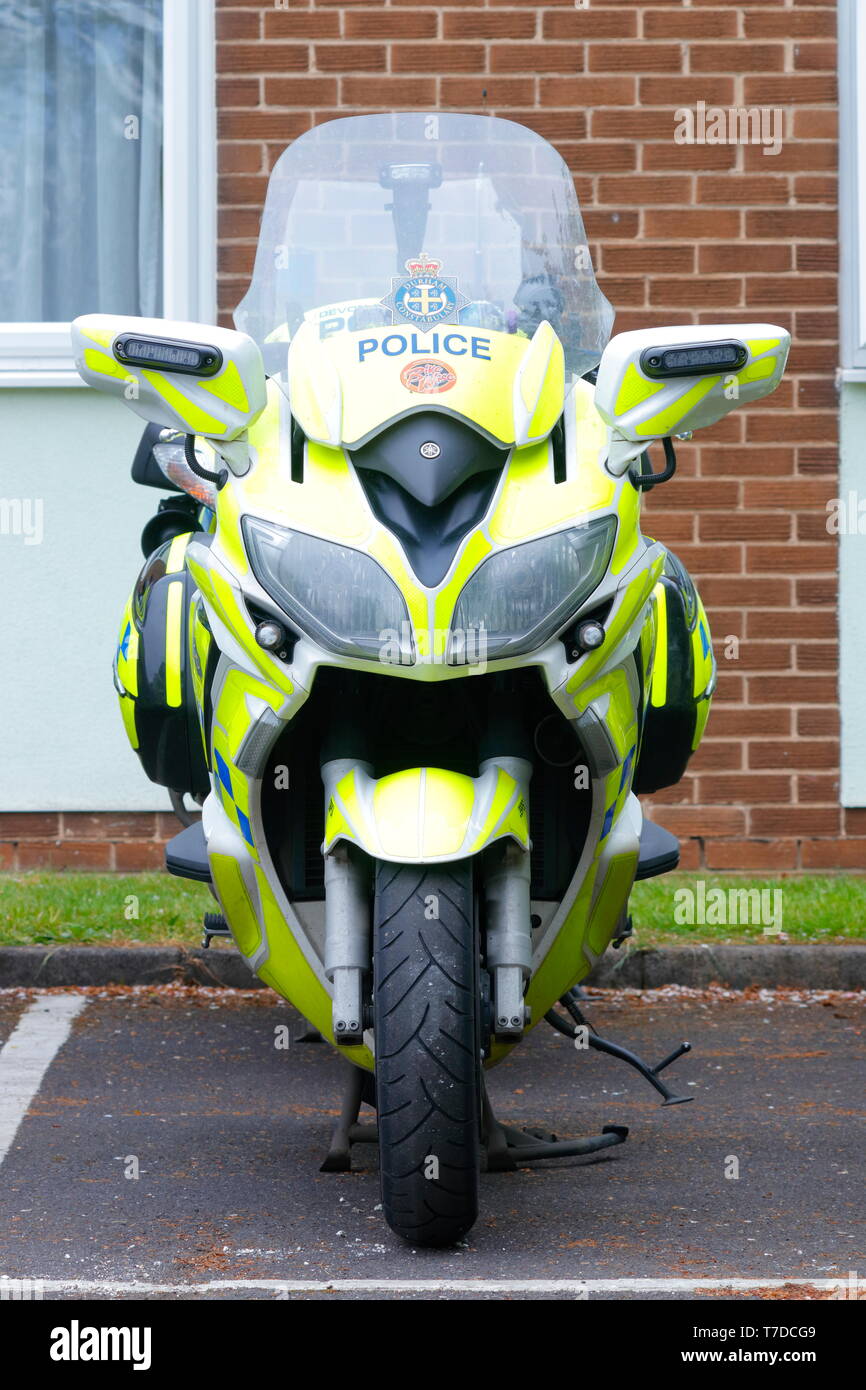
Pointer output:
107, 171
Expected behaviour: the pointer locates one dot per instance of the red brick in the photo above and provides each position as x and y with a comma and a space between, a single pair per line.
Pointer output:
783, 91
817, 189
64, 854
752, 722
791, 222
108, 825
795, 157
738, 189
736, 57
822, 755
702, 820
744, 591
469, 23
778, 559
817, 790
237, 24
238, 91
694, 223
587, 90
262, 125
834, 854
687, 91
691, 157
718, 755
417, 25
818, 325
384, 92
690, 854
300, 91
794, 820
530, 57
29, 825
822, 593
234, 158
237, 258
817, 722
238, 224
634, 57
707, 290
817, 656
668, 259
501, 91
358, 57
721, 23
611, 224
139, 856
728, 788
754, 856
801, 690
816, 123
242, 188
595, 24
560, 125
787, 24
257, 58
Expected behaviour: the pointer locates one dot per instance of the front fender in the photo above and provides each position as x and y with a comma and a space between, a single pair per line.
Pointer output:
426, 814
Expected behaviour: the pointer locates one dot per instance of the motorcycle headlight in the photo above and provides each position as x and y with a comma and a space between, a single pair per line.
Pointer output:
338, 596
518, 599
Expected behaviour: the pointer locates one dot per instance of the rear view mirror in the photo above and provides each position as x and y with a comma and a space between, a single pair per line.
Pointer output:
187, 376
662, 381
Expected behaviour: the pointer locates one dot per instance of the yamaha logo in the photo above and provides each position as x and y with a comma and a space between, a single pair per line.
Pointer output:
430, 450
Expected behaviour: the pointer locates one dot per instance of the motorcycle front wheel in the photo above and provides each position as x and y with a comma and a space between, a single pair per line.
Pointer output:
428, 1058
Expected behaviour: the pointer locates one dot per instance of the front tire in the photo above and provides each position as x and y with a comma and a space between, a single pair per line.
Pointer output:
428, 1061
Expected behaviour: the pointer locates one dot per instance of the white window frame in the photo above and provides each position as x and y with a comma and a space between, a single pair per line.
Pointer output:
39, 354
852, 189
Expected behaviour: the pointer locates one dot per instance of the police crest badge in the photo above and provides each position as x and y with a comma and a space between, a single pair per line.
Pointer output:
425, 298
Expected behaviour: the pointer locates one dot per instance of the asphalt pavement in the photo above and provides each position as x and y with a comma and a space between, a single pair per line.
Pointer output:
172, 1150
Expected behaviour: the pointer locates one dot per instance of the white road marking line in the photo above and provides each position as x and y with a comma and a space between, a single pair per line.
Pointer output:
27, 1054
576, 1286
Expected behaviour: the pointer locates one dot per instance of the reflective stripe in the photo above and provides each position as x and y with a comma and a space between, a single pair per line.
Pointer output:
177, 553
173, 654
660, 666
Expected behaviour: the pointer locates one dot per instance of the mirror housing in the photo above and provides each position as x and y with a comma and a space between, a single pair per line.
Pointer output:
186, 376
663, 381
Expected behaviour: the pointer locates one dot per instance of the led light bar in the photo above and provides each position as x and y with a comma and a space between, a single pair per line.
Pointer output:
694, 359
195, 359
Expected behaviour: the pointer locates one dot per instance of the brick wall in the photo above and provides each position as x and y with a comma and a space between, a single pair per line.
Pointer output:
680, 233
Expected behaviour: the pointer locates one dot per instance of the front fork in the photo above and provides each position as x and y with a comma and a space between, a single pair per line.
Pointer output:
505, 871
508, 920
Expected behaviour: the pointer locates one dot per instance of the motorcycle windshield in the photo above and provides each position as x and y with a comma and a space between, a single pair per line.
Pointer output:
421, 220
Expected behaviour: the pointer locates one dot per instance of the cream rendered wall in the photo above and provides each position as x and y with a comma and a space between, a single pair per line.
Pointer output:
63, 744
852, 594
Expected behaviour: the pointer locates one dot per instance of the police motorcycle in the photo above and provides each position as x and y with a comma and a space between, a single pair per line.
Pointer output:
399, 632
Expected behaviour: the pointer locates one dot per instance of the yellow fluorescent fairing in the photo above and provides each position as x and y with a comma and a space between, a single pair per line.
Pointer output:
239, 703
639, 406
347, 387
330, 502
426, 814
269, 944
126, 671
220, 406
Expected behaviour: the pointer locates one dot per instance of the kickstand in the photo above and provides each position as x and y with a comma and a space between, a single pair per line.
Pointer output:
348, 1130
651, 1074
508, 1148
